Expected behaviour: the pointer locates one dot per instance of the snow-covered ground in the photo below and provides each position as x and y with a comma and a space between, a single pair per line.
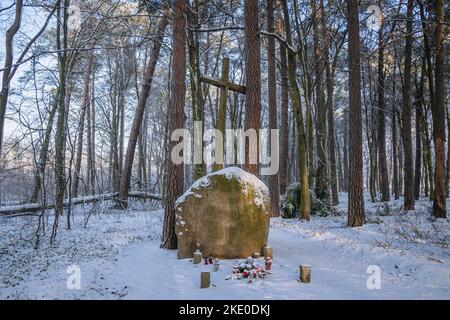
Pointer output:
118, 256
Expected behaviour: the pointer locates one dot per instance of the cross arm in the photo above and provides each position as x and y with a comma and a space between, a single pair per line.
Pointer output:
220, 83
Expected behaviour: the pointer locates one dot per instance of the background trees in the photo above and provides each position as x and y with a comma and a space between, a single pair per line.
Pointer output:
91, 106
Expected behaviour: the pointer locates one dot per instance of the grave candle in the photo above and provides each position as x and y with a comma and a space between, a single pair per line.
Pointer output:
268, 252
197, 257
216, 265
305, 273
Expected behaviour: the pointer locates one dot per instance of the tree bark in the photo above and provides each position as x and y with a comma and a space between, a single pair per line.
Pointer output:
321, 187
447, 176
114, 130
60, 141
305, 208
88, 143
419, 153
329, 108
339, 166
428, 58
284, 138
431, 89
175, 183
439, 204
356, 216
273, 118
252, 81
408, 188
382, 157
394, 150
345, 150
91, 154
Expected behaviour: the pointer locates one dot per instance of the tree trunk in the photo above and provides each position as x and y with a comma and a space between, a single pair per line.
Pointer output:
408, 179
9, 56
252, 82
428, 59
431, 88
329, 108
427, 154
382, 157
284, 148
84, 106
301, 134
197, 89
346, 132
137, 121
321, 187
166, 139
121, 116
356, 216
175, 183
373, 171
447, 176
39, 175
419, 153
273, 119
439, 204
89, 143
60, 141
91, 162
394, 151
425, 173
114, 130
339, 166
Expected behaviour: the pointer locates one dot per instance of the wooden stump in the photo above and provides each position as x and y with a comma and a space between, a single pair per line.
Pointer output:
205, 280
268, 252
197, 257
305, 273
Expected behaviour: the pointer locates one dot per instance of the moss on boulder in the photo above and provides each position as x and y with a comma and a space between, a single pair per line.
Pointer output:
224, 214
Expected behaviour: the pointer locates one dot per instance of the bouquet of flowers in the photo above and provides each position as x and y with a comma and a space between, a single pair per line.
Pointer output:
248, 269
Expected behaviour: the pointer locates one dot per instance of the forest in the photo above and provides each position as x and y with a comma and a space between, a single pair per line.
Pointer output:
136, 132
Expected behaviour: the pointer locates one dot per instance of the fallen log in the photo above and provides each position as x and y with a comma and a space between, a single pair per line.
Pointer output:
32, 208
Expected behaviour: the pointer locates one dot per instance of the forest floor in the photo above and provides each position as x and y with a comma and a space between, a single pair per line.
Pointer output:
118, 256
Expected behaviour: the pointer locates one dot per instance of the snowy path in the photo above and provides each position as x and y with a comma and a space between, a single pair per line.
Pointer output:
338, 272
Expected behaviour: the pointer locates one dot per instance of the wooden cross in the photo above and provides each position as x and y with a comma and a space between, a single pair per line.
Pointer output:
224, 84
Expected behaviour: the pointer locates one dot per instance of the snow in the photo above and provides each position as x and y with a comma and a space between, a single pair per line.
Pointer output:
119, 258
247, 179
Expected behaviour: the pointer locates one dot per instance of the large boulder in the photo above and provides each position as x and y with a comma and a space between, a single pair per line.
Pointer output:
224, 214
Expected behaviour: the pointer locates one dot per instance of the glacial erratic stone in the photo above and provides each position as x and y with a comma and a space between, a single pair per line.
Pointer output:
225, 214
